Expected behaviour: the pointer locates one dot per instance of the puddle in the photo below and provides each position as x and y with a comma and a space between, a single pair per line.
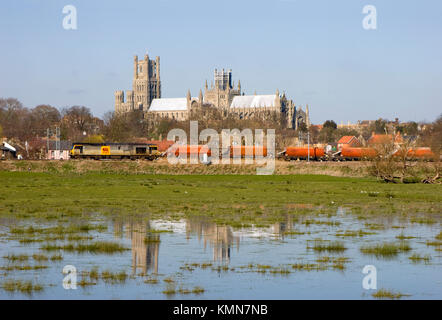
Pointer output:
311, 258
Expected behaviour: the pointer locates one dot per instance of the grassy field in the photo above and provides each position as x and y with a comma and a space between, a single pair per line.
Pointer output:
237, 200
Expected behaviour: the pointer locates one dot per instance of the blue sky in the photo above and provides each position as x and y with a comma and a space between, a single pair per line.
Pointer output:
314, 50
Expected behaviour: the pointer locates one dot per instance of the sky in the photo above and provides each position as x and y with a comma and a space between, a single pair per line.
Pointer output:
316, 51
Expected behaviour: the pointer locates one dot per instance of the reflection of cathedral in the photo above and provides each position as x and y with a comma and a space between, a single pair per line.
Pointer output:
220, 238
282, 227
144, 253
146, 245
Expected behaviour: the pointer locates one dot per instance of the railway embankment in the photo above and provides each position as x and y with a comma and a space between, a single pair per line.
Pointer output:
161, 166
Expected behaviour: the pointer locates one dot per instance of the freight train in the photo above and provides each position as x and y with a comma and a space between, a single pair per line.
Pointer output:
134, 151
232, 151
100, 151
351, 154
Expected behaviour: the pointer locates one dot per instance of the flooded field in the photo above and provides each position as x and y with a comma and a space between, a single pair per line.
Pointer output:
137, 236
319, 256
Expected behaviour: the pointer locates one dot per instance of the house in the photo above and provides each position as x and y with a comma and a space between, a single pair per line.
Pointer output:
61, 152
384, 139
348, 142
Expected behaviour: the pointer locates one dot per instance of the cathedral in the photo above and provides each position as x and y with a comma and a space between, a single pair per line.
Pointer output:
222, 94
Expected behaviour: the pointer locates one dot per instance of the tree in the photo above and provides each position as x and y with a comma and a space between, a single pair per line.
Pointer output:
15, 119
327, 135
76, 121
78, 116
302, 127
44, 117
380, 126
330, 124
94, 138
346, 132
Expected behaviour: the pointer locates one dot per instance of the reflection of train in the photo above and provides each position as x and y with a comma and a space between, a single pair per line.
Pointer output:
350, 154
114, 151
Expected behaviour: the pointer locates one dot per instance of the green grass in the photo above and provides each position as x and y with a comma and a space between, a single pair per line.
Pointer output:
118, 277
232, 199
103, 247
16, 257
40, 257
151, 281
387, 294
26, 287
23, 267
328, 246
386, 249
418, 258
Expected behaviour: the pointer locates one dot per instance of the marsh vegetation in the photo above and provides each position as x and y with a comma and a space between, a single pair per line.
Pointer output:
215, 236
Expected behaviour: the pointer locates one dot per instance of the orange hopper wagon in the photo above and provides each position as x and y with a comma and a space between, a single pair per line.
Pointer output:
303, 153
418, 153
247, 151
358, 153
188, 150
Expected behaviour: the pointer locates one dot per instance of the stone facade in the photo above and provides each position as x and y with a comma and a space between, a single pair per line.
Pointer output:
222, 94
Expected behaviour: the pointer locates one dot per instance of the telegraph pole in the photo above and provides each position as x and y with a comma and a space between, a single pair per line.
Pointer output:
57, 138
47, 140
308, 145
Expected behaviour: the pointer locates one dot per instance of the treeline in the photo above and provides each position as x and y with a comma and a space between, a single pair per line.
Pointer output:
23, 125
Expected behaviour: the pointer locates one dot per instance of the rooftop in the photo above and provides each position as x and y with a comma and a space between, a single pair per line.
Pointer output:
253, 101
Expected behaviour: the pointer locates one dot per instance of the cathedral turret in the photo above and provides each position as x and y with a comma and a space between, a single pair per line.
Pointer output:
157, 65
277, 99
146, 84
200, 98
136, 67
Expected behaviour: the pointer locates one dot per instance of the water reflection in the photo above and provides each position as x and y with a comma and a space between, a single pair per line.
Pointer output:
220, 238
280, 228
145, 245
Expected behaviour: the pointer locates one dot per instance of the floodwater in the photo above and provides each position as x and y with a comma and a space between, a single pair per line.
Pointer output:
197, 253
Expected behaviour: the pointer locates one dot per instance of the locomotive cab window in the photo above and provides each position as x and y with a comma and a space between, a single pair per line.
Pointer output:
140, 150
79, 148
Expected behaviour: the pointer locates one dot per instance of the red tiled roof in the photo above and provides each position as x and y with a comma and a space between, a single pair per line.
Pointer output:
346, 139
384, 138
